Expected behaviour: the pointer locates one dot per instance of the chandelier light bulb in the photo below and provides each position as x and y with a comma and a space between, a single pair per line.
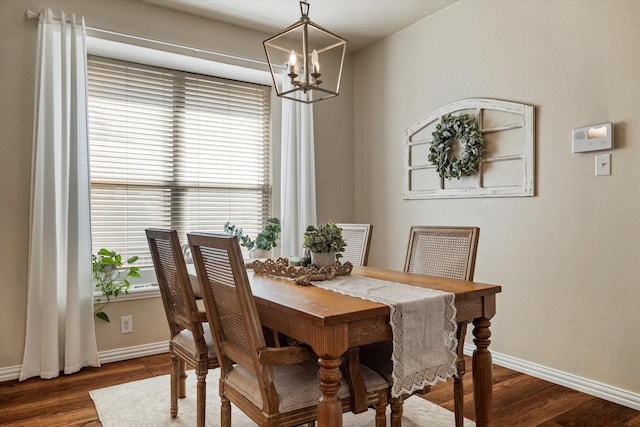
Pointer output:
292, 61
315, 62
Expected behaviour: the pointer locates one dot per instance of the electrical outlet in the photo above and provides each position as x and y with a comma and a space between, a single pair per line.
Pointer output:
126, 324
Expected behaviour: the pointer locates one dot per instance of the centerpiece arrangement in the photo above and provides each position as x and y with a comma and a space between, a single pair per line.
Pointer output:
265, 241
108, 277
325, 243
302, 276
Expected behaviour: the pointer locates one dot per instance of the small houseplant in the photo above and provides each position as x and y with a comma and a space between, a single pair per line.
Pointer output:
110, 277
325, 243
266, 240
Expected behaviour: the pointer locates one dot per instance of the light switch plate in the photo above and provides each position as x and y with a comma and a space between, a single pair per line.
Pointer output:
603, 164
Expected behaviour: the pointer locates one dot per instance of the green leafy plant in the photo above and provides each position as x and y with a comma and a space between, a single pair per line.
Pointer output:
266, 240
464, 130
324, 238
108, 277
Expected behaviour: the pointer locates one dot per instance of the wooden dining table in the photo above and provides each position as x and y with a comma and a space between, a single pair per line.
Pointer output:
332, 322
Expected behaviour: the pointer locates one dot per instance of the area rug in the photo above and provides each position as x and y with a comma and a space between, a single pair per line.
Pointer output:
146, 403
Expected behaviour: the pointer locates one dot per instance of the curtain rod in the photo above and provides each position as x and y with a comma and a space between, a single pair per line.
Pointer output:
33, 16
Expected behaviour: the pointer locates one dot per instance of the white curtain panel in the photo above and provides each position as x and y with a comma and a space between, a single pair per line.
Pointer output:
298, 174
60, 332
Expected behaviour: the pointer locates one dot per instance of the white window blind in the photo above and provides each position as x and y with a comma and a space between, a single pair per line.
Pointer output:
177, 150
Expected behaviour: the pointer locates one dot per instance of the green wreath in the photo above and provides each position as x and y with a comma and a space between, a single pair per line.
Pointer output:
464, 130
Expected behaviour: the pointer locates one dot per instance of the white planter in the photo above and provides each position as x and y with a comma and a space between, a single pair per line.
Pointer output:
259, 253
323, 259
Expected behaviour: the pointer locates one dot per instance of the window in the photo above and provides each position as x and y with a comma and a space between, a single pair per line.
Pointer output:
172, 149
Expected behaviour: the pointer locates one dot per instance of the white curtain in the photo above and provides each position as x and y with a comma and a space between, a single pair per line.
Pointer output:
298, 174
60, 331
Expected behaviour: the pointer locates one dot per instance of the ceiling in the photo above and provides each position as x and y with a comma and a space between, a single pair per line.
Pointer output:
361, 22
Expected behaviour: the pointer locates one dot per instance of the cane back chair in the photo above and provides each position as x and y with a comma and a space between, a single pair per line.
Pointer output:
274, 386
358, 239
191, 341
437, 251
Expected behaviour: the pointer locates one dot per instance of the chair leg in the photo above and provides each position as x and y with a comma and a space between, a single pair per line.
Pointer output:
396, 411
351, 372
182, 379
174, 385
201, 393
381, 410
225, 412
458, 401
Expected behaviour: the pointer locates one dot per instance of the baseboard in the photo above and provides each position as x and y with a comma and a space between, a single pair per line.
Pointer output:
107, 356
127, 353
10, 373
574, 382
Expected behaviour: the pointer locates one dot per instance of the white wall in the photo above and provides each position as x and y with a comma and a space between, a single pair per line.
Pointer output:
334, 143
568, 259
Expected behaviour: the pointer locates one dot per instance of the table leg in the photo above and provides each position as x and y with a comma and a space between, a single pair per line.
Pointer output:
482, 372
329, 406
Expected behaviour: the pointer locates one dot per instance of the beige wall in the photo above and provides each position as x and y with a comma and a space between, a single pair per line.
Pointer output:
334, 143
568, 259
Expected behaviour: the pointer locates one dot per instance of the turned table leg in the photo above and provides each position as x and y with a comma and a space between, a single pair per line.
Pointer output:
482, 372
329, 407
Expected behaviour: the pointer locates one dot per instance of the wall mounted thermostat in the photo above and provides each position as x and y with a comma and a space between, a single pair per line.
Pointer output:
592, 138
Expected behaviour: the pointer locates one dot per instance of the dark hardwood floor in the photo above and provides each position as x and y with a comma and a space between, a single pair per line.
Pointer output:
522, 400
518, 399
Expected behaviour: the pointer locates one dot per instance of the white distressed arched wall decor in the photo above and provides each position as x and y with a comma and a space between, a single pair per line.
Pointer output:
506, 169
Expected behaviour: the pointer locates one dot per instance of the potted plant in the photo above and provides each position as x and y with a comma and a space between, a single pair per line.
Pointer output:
265, 241
325, 243
108, 277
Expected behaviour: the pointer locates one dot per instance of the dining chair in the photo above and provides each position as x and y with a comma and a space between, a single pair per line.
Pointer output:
191, 341
448, 252
274, 386
358, 240
442, 251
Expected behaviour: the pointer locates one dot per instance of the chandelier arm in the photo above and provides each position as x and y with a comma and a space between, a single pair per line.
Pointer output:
286, 30
324, 30
330, 47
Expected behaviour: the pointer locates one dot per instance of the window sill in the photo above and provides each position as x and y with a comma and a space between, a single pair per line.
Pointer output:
141, 288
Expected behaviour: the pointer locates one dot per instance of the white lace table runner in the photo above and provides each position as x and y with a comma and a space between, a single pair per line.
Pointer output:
423, 323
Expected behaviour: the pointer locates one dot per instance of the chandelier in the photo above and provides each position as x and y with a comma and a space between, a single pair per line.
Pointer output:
312, 58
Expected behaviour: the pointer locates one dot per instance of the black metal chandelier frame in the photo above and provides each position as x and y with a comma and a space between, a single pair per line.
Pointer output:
305, 79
